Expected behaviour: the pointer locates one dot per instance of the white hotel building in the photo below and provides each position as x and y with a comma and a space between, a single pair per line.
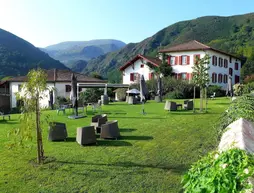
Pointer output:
182, 58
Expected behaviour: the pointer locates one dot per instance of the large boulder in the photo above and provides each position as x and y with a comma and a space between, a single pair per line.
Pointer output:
240, 134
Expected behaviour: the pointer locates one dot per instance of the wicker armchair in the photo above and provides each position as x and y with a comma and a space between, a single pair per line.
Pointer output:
188, 105
57, 131
110, 130
98, 120
170, 106
86, 135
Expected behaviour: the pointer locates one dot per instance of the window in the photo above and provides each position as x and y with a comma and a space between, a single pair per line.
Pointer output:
172, 60
79, 89
142, 66
184, 59
225, 78
214, 60
184, 76
230, 71
214, 77
220, 62
230, 59
151, 75
195, 57
237, 79
220, 78
225, 63
19, 87
236, 66
67, 88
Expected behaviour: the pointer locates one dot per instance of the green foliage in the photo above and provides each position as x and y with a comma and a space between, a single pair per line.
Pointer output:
61, 100
248, 88
91, 95
215, 89
220, 173
96, 75
249, 78
238, 89
17, 56
32, 92
241, 107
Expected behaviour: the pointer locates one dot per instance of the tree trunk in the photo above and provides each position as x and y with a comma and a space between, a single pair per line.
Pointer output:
201, 99
205, 99
194, 95
40, 152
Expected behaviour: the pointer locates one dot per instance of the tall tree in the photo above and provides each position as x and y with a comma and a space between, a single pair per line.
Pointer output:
32, 91
200, 76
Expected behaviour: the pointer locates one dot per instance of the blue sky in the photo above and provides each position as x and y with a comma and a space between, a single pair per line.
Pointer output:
46, 22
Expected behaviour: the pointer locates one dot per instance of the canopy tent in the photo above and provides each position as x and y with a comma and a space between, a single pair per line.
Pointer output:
133, 91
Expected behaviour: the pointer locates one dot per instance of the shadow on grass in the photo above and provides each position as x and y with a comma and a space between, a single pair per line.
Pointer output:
9, 122
113, 143
136, 137
181, 168
127, 130
139, 117
71, 139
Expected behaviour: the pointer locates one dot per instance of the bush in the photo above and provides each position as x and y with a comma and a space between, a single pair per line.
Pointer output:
238, 89
61, 100
174, 95
249, 78
248, 88
217, 89
242, 107
121, 94
91, 95
225, 172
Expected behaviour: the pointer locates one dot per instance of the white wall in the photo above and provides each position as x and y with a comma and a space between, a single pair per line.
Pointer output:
142, 71
59, 88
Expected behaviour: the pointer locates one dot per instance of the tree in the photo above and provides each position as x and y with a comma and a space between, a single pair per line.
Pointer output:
32, 91
96, 75
201, 77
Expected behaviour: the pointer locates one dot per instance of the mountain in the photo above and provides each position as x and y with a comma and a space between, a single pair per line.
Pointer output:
69, 52
78, 66
234, 34
17, 56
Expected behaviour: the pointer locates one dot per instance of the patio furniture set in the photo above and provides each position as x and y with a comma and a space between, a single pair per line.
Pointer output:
173, 106
86, 135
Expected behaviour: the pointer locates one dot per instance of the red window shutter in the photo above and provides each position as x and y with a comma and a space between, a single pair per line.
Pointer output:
179, 76
188, 59
150, 76
176, 60
188, 76
180, 60
175, 75
169, 60
132, 77
195, 58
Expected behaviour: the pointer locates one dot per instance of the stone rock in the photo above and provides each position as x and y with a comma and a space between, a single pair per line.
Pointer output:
240, 134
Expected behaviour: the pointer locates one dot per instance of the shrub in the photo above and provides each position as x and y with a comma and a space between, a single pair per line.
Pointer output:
238, 89
249, 78
121, 94
217, 89
248, 88
242, 107
174, 95
225, 172
91, 95
61, 100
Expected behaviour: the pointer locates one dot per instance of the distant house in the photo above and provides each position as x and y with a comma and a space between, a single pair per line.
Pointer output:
182, 58
137, 66
60, 80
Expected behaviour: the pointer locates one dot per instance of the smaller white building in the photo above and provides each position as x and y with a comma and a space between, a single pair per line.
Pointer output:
57, 80
136, 67
182, 58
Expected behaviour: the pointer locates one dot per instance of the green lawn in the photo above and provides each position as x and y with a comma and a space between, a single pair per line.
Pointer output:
153, 153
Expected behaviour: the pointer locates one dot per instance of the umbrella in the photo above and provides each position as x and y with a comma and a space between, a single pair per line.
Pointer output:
74, 93
230, 91
133, 91
51, 99
159, 87
143, 92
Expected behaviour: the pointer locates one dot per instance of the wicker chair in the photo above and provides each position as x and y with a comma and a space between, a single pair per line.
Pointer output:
188, 105
86, 135
170, 106
97, 121
110, 130
57, 131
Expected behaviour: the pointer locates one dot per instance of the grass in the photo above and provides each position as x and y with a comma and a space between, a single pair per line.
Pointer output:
154, 152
